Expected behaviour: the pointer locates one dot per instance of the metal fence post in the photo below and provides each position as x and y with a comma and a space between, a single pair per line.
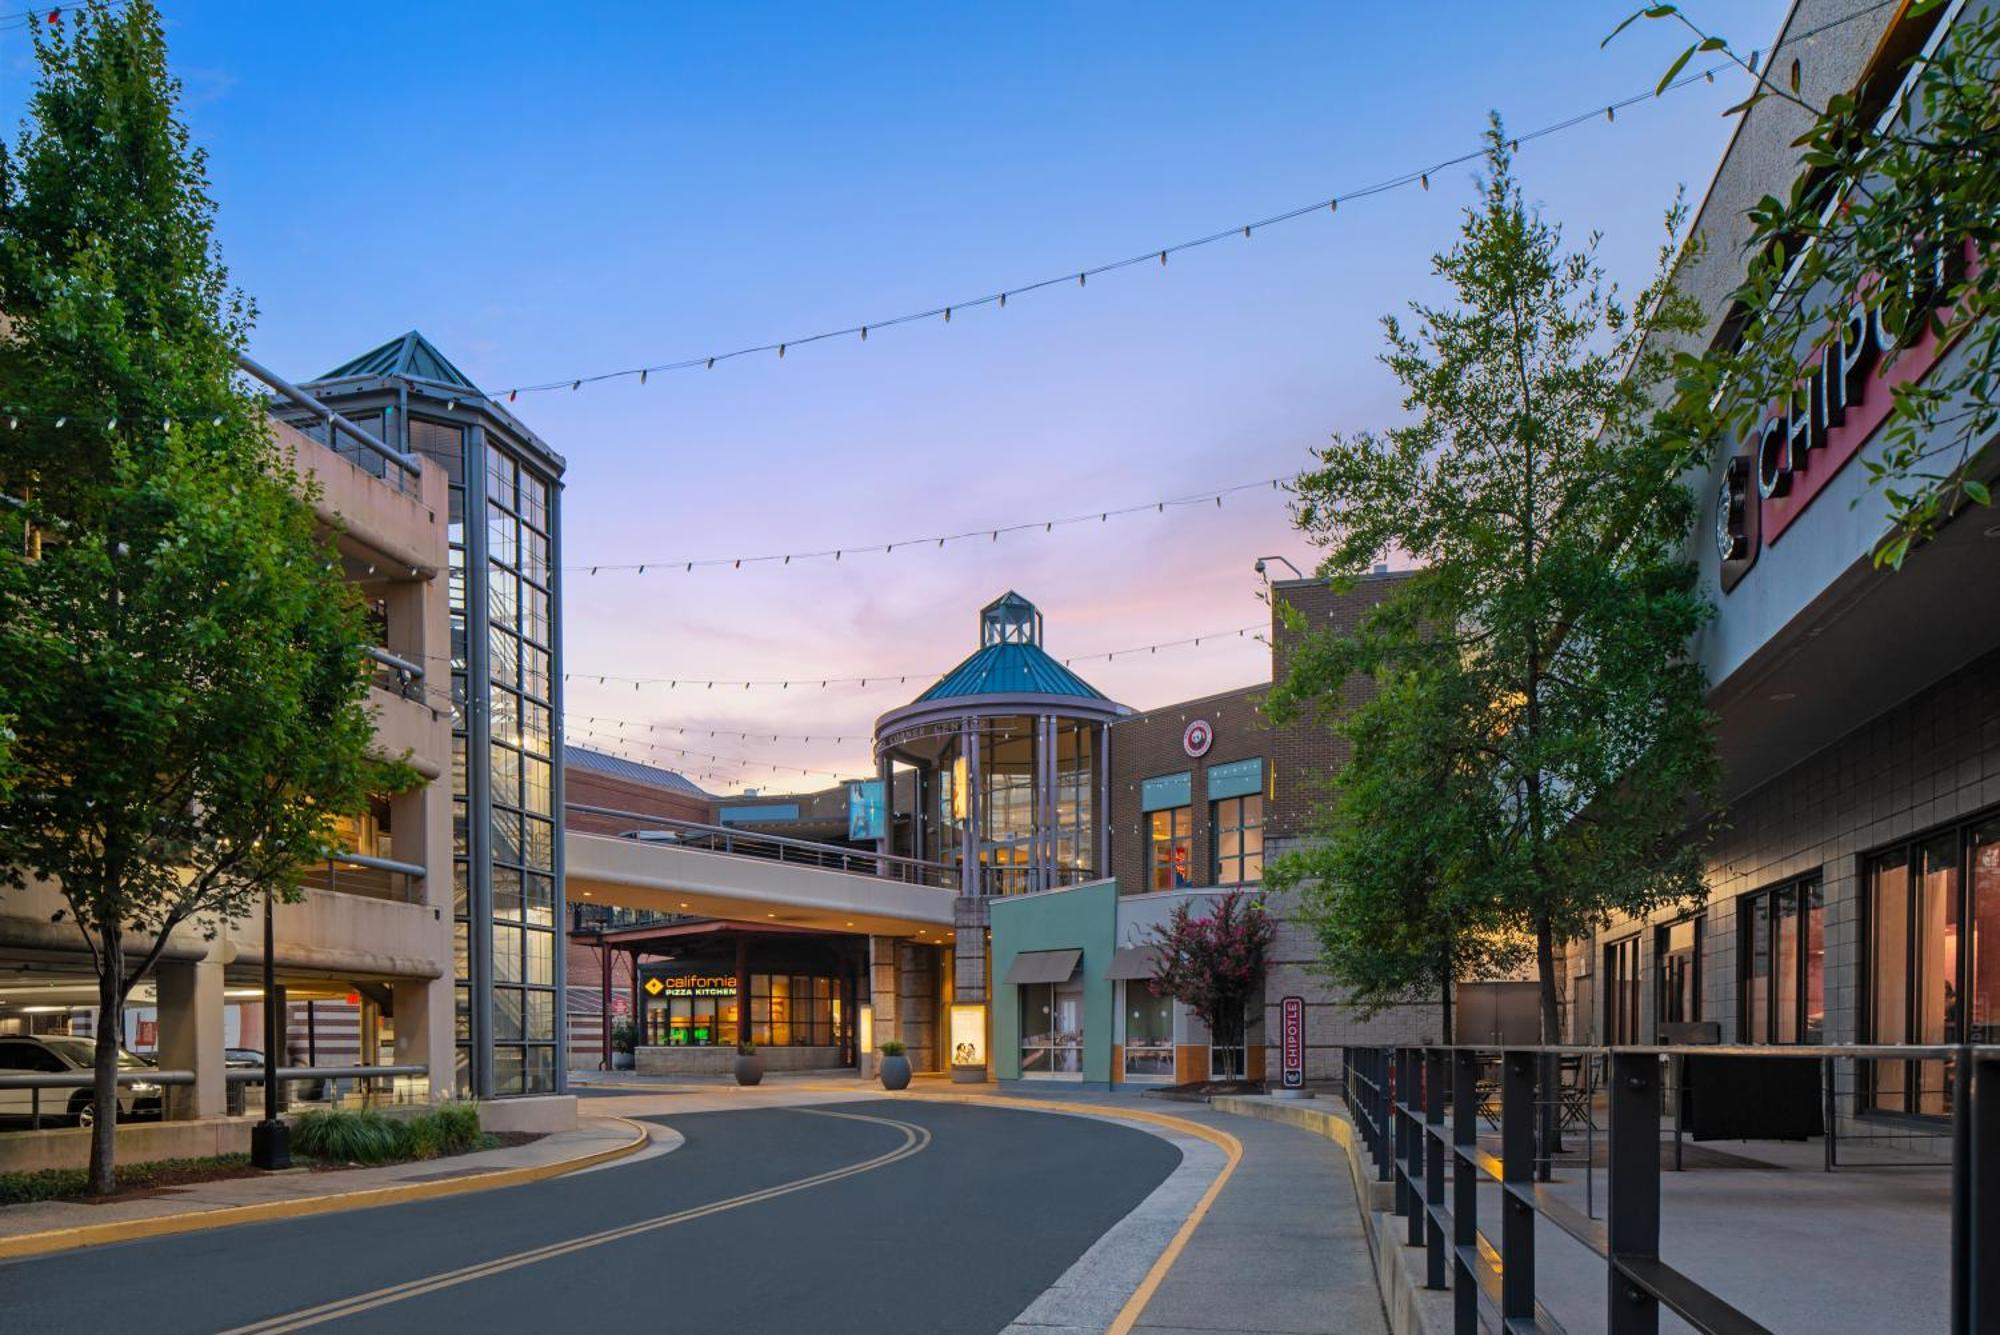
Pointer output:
1385, 1158
1409, 1102
1464, 1193
1433, 1132
1634, 1190
1518, 1115
1975, 1195
1399, 1134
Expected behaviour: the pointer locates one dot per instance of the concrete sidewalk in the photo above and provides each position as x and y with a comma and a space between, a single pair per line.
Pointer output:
1283, 1248
45, 1226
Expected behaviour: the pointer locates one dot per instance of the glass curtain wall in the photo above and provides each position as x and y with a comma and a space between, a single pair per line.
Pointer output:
1007, 803
504, 826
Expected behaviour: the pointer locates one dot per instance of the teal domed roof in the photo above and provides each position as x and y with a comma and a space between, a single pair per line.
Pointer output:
1010, 659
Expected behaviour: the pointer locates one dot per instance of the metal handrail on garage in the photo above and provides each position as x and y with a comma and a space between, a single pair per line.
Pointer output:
780, 848
1398, 1098
37, 1081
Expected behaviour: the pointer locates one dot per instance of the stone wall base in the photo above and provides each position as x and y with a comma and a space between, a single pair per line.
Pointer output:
722, 1061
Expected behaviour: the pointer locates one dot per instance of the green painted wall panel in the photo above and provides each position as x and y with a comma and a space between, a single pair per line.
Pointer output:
1083, 917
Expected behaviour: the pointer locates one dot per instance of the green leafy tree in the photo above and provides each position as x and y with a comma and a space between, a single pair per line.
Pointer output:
179, 654
1398, 922
1884, 214
1214, 964
1553, 704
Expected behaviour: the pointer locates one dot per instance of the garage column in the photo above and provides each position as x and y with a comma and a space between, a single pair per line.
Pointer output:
423, 1031
884, 991
191, 1036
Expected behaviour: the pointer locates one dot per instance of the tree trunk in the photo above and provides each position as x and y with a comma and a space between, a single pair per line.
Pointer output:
1549, 1075
110, 1038
1447, 983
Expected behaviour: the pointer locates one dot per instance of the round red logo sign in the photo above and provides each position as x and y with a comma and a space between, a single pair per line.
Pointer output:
1195, 740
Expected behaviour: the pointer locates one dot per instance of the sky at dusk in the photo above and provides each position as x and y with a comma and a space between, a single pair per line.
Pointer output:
549, 191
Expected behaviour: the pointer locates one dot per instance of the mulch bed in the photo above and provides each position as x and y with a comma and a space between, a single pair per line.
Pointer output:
139, 1181
1200, 1090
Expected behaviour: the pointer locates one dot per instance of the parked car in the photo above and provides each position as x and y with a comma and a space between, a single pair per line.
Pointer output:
58, 1054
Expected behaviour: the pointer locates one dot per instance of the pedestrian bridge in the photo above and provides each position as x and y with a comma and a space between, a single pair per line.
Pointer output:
680, 867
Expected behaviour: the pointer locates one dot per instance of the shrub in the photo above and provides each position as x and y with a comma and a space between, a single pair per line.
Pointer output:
348, 1135
893, 1048
624, 1037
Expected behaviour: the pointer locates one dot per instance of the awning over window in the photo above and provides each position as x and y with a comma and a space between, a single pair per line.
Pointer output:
1043, 966
1134, 962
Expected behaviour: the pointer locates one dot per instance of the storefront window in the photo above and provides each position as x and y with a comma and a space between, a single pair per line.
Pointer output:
1678, 946
1237, 829
1052, 1031
1170, 849
1621, 991
695, 1009
1149, 1033
1782, 976
1919, 894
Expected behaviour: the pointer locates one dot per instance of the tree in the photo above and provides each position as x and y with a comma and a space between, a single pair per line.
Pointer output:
1533, 671
179, 654
1214, 964
1883, 217
1383, 890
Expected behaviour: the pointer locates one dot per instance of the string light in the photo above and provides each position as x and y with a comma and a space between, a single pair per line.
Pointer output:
1420, 177
991, 534
886, 679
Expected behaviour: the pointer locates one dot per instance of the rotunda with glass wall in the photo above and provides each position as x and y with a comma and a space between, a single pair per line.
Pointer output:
1009, 752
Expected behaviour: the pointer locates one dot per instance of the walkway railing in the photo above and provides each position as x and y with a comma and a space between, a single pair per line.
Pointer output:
323, 424
1399, 1097
775, 847
151, 1081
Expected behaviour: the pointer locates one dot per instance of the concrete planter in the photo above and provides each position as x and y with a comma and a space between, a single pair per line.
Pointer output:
621, 1061
896, 1072
749, 1068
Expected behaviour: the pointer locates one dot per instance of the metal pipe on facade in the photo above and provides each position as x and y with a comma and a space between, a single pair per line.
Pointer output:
408, 462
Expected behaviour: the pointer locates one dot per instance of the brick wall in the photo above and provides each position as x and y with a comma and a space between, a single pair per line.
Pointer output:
1144, 746
592, 789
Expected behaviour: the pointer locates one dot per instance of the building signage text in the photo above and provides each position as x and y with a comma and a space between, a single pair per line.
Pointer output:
693, 985
1292, 1040
1842, 396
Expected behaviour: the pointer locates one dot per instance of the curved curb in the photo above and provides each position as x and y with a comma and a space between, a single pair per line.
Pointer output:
197, 1221
1232, 1150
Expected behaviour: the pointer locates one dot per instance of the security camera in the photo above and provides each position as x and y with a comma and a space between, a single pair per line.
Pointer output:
1260, 565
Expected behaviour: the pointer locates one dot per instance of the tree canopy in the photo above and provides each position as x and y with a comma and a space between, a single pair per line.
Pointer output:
179, 652
1536, 750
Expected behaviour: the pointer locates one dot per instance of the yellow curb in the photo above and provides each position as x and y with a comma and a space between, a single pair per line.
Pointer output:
196, 1221
1232, 1148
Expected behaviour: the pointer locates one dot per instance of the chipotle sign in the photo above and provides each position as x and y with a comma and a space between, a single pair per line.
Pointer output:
1844, 393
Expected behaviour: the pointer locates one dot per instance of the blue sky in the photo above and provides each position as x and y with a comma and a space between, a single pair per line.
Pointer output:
549, 191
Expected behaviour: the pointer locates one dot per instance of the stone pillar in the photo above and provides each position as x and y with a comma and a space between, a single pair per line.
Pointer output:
190, 1004
916, 1004
883, 996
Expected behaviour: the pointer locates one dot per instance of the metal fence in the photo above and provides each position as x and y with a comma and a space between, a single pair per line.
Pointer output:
307, 415
323, 1083
1419, 1110
361, 874
675, 833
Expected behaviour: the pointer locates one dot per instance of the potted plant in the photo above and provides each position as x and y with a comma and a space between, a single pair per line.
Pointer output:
895, 1066
749, 1066
624, 1038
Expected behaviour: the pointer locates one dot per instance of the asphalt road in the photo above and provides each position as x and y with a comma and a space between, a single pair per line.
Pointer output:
875, 1218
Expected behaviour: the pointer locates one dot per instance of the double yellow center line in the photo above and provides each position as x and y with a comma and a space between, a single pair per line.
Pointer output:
915, 1140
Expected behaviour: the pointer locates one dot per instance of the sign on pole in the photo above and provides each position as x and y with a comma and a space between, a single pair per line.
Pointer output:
1292, 1037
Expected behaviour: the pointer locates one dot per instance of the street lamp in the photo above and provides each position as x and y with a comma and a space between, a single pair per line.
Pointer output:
1296, 572
270, 1139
